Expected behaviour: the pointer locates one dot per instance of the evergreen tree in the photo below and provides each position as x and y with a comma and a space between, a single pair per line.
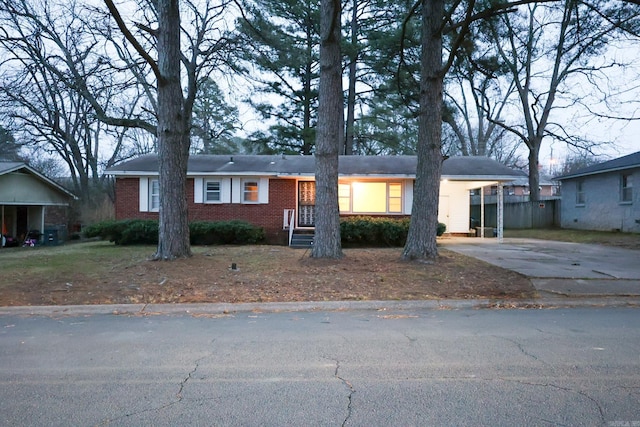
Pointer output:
280, 47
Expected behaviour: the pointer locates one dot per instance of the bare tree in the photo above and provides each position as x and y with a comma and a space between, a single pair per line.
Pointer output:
206, 49
546, 48
41, 47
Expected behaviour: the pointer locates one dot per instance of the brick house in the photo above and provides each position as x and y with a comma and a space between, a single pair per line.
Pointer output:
278, 192
602, 197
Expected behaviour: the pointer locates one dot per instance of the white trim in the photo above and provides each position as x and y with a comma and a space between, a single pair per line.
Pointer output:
144, 194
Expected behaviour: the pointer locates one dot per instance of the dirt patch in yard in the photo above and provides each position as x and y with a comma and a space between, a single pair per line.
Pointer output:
265, 274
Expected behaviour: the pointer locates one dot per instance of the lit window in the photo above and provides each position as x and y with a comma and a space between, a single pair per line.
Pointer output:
212, 193
370, 197
250, 192
626, 183
344, 197
154, 195
580, 192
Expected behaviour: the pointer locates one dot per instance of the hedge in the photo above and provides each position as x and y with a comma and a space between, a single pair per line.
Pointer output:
377, 231
139, 231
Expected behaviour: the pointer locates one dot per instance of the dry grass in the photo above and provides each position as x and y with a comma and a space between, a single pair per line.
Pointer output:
102, 273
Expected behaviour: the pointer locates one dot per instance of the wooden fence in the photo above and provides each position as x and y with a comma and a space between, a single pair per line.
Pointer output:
542, 214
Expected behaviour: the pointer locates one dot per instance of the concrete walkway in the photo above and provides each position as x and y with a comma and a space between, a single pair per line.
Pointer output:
559, 268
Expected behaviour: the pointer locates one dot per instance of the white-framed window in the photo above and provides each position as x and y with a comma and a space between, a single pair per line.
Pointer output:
626, 188
154, 195
580, 196
394, 197
344, 197
212, 191
250, 191
370, 197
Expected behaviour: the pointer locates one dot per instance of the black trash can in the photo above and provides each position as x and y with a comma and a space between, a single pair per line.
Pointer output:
50, 237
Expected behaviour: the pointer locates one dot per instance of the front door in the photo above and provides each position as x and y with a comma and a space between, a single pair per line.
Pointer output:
306, 203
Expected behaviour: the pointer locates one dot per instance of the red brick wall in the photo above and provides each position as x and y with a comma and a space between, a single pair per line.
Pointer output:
282, 195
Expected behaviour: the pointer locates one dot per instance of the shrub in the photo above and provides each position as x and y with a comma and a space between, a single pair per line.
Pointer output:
225, 232
377, 231
373, 231
125, 232
139, 231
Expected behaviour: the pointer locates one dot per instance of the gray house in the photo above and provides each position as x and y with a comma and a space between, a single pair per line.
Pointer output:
601, 197
29, 201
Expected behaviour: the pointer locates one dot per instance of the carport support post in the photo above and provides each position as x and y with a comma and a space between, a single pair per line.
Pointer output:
482, 212
500, 212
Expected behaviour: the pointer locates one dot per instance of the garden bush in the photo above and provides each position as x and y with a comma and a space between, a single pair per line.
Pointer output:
225, 233
138, 231
376, 231
125, 232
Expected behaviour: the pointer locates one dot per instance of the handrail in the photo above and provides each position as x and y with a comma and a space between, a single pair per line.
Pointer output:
292, 213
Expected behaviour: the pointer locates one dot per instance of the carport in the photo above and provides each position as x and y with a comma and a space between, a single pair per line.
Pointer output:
30, 201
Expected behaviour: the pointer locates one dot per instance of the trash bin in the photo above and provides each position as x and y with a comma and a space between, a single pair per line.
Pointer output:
50, 237
488, 231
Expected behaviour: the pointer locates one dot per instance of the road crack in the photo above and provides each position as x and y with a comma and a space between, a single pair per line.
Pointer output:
349, 387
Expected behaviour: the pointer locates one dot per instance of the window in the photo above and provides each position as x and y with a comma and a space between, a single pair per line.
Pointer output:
212, 192
250, 192
580, 192
344, 197
395, 197
370, 197
626, 183
154, 195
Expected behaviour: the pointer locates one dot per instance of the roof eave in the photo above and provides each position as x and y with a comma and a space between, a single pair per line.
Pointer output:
608, 170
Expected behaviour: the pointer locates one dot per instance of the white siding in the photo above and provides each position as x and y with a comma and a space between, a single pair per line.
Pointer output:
459, 210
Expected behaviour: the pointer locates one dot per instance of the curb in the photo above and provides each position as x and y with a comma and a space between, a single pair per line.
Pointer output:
222, 309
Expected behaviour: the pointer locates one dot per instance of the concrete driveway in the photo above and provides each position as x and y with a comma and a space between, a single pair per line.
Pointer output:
559, 267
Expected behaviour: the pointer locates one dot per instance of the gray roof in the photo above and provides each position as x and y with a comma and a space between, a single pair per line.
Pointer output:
621, 163
454, 168
8, 167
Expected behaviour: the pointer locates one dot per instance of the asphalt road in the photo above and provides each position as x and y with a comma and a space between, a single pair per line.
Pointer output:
577, 367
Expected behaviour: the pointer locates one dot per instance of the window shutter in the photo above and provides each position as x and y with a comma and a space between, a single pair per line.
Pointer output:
143, 194
263, 190
198, 190
236, 190
408, 196
225, 196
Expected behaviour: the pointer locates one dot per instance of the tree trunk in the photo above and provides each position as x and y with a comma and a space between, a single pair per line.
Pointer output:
534, 172
330, 134
421, 240
351, 97
173, 138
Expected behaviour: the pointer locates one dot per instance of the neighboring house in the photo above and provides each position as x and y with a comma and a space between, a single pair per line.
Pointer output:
518, 189
602, 196
29, 201
278, 192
